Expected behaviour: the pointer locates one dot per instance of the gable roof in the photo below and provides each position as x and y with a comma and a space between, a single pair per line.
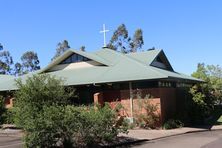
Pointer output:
118, 67
146, 57
69, 53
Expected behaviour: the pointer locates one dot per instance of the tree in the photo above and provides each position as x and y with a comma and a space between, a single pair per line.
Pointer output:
206, 95
6, 61
83, 48
61, 48
35, 97
212, 75
18, 69
30, 62
137, 41
121, 41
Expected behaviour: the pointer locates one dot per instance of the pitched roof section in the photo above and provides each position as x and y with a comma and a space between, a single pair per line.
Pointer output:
69, 52
151, 58
146, 57
119, 68
4, 78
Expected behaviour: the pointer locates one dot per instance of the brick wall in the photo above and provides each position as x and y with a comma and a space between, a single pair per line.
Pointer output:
164, 98
9, 102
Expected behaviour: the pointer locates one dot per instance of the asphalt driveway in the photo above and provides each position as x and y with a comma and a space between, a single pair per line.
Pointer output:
208, 139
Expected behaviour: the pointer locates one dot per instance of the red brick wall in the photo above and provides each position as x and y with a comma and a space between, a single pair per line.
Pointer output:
9, 102
98, 98
165, 98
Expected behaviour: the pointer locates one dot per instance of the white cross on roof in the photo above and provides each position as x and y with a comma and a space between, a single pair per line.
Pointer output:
104, 35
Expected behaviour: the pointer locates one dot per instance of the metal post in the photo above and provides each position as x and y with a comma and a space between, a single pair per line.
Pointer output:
131, 101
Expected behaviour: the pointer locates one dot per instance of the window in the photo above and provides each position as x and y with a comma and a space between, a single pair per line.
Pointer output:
158, 59
74, 58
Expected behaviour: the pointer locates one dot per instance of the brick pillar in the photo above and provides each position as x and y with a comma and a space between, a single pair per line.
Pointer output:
98, 98
9, 102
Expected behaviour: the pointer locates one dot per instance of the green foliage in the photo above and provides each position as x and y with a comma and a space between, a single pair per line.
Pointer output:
207, 94
137, 41
38, 91
18, 71
121, 41
150, 117
30, 62
70, 126
61, 48
6, 62
97, 126
172, 123
43, 111
2, 110
8, 116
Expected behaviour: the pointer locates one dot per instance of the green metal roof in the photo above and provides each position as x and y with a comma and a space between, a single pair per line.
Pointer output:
146, 57
116, 67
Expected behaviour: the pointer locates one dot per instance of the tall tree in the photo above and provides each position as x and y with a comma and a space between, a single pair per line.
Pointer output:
121, 41
6, 61
137, 41
61, 48
30, 62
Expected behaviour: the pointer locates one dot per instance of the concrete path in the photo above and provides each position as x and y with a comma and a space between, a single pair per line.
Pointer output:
142, 134
11, 132
11, 138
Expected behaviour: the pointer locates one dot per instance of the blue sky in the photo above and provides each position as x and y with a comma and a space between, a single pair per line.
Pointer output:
189, 31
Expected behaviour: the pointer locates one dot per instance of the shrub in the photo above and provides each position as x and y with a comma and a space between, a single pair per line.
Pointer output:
35, 93
172, 123
43, 111
98, 126
70, 126
2, 110
150, 118
199, 106
8, 116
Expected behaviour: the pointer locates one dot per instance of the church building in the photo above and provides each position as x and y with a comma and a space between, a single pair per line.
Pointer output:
117, 78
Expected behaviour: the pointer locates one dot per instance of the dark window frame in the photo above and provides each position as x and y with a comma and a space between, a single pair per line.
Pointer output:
74, 58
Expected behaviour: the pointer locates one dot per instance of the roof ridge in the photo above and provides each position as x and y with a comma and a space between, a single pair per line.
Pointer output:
146, 51
129, 55
96, 53
139, 63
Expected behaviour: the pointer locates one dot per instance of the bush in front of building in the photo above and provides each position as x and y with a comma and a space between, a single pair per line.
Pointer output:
43, 110
205, 95
8, 116
70, 126
2, 110
146, 113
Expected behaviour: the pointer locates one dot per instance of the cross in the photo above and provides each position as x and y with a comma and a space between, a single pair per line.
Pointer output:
104, 35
